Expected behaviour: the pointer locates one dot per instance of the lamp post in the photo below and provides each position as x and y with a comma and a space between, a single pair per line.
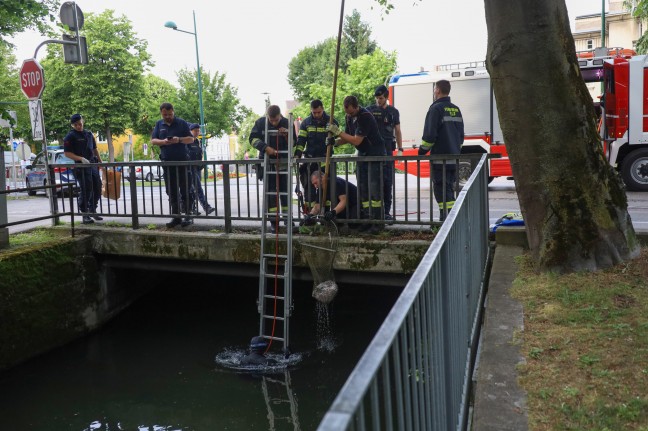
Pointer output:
171, 24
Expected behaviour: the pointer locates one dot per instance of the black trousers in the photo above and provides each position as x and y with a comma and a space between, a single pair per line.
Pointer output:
175, 178
90, 185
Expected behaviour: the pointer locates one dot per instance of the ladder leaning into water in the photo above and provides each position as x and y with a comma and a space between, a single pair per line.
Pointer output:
275, 260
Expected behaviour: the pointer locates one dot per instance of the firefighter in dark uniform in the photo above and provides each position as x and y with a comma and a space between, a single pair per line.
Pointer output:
388, 120
271, 145
443, 133
196, 190
80, 146
346, 206
362, 132
311, 142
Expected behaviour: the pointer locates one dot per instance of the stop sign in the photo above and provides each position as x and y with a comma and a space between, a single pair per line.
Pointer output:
32, 79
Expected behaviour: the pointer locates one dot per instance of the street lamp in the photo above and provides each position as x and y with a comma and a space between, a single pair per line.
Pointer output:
171, 24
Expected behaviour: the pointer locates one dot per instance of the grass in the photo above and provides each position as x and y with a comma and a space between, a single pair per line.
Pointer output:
35, 237
585, 341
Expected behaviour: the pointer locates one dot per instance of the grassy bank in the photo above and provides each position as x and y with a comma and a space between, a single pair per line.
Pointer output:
585, 341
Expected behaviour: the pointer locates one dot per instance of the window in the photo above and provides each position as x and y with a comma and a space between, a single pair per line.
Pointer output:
590, 44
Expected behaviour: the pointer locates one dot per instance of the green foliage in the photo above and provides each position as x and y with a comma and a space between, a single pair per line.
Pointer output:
640, 11
19, 15
315, 65
107, 91
222, 108
10, 92
244, 137
156, 92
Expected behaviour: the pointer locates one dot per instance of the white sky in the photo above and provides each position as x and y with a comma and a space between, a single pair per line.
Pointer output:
243, 37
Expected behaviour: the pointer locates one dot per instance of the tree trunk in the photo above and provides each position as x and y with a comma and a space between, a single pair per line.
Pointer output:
573, 202
109, 141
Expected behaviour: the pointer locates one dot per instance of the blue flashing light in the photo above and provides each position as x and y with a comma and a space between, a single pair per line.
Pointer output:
395, 78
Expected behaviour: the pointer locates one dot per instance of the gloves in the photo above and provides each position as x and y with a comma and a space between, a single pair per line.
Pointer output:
333, 129
330, 215
330, 141
399, 152
298, 154
309, 219
84, 160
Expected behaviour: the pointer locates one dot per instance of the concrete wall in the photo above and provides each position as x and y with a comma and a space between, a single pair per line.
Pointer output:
53, 294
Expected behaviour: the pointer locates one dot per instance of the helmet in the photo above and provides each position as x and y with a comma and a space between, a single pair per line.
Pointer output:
258, 343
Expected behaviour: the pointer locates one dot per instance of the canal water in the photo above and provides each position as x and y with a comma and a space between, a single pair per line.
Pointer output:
154, 367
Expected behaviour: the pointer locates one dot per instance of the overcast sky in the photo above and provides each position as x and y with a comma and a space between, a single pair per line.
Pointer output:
242, 38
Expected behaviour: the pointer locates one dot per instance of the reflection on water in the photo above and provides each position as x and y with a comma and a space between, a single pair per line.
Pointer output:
156, 366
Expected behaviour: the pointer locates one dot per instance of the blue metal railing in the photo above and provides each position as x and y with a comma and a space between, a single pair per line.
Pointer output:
416, 373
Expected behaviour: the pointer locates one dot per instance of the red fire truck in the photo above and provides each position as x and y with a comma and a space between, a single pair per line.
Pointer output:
472, 92
625, 109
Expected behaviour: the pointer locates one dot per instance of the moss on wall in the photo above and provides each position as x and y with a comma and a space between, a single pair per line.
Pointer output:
44, 294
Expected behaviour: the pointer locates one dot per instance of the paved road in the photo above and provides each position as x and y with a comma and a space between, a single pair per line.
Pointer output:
502, 199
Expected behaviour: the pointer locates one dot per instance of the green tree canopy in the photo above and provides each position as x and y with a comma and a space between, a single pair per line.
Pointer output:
19, 15
222, 107
107, 91
10, 92
314, 64
640, 11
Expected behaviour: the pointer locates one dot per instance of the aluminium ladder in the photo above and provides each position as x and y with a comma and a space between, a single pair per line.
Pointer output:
275, 260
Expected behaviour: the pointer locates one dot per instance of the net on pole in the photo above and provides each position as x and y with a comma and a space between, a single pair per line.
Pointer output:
319, 243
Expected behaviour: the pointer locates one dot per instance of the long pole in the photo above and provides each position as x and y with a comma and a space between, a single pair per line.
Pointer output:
602, 23
200, 97
329, 148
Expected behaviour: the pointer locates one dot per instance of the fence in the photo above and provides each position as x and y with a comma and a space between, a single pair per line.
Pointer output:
416, 373
234, 191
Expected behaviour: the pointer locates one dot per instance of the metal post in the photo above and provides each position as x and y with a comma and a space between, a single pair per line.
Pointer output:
4, 232
200, 97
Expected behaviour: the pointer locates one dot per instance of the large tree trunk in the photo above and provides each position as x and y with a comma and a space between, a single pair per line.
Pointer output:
111, 147
573, 202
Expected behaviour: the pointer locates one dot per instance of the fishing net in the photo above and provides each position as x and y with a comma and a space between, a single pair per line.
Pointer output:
319, 243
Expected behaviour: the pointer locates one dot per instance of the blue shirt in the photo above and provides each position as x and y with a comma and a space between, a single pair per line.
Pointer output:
178, 128
80, 143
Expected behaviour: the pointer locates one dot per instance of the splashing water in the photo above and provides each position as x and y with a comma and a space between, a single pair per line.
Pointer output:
231, 359
325, 339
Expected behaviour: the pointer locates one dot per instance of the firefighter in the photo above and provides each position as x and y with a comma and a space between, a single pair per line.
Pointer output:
362, 132
311, 142
347, 198
272, 145
443, 133
388, 120
257, 356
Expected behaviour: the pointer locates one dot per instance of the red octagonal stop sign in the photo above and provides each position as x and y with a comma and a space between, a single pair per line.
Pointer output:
32, 79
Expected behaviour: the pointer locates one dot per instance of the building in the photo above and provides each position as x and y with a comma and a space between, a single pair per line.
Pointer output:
622, 30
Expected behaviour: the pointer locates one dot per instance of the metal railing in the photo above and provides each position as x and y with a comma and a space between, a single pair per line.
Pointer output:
236, 195
416, 372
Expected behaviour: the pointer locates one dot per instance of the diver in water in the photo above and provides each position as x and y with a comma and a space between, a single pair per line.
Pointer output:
257, 356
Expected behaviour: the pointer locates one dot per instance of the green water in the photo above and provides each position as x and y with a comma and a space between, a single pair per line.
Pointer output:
153, 367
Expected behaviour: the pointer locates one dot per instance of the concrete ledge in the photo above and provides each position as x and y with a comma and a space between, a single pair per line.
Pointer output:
354, 254
500, 404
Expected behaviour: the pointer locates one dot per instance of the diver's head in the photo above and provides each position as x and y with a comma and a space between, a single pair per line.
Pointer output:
258, 344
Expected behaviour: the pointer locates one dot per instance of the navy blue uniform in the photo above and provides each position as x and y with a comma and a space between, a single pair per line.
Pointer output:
387, 119
175, 177
83, 144
198, 194
279, 142
443, 133
342, 187
369, 173
311, 142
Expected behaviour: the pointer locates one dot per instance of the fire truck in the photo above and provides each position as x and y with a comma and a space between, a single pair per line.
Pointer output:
625, 110
473, 93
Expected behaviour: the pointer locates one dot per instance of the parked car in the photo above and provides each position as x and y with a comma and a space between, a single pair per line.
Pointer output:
145, 170
37, 176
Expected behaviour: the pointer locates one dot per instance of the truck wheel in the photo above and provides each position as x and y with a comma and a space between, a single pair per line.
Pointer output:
30, 192
634, 170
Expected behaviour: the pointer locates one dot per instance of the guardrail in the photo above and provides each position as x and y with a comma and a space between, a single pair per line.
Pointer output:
416, 372
137, 190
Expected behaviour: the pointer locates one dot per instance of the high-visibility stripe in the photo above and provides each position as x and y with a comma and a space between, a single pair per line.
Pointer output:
426, 145
448, 205
455, 119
